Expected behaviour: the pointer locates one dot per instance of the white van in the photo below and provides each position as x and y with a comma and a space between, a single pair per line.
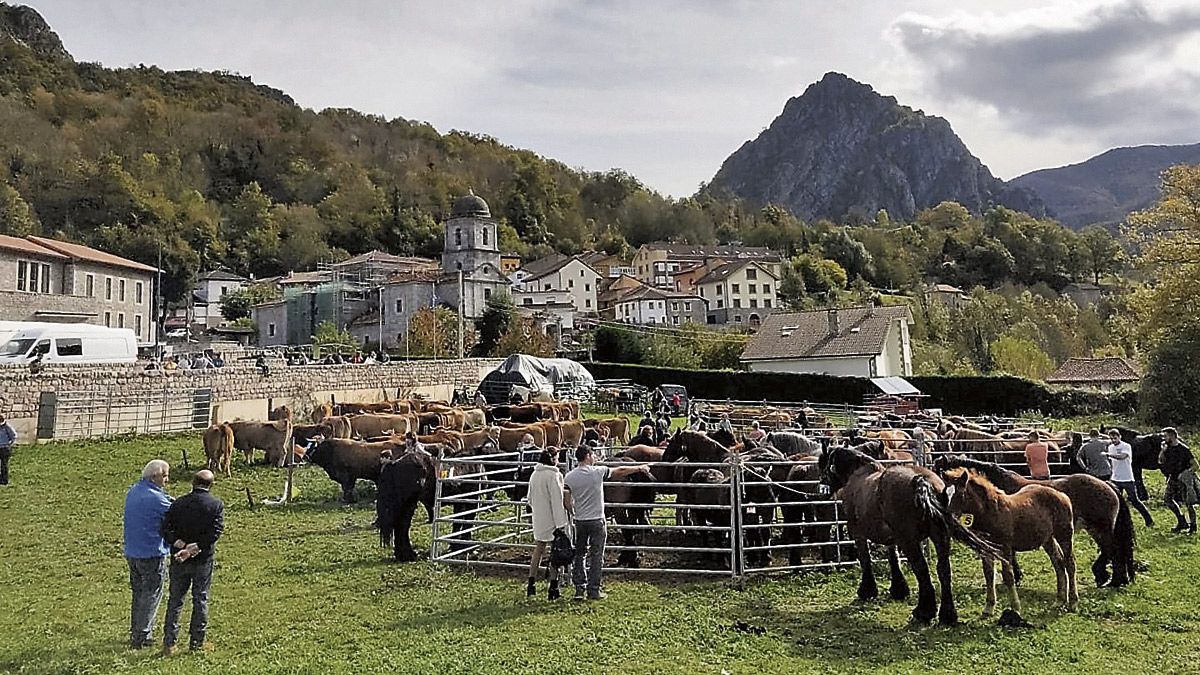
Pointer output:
11, 328
70, 343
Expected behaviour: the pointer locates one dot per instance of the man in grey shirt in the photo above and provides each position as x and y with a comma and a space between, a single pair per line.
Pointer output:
584, 496
1093, 456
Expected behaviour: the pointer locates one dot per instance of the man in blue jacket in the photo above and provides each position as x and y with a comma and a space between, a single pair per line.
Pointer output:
145, 505
8, 436
193, 524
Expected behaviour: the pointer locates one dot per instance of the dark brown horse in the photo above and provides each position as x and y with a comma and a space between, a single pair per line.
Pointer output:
1036, 516
762, 469
899, 507
1098, 508
633, 490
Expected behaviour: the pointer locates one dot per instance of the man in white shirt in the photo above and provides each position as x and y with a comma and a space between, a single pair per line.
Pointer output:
1121, 456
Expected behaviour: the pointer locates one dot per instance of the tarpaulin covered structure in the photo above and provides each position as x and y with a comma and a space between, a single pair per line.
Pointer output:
536, 374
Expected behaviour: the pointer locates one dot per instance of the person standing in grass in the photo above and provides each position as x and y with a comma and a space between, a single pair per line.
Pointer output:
1179, 466
549, 510
585, 497
1037, 456
1095, 454
193, 525
8, 436
1122, 472
146, 504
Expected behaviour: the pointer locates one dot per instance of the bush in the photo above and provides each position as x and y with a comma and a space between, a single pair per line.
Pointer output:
1171, 385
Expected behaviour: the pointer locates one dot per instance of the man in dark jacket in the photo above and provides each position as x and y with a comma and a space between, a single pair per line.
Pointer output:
8, 436
1175, 460
193, 524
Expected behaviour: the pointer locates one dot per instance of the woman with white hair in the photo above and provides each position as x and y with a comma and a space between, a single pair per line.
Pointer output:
549, 516
145, 505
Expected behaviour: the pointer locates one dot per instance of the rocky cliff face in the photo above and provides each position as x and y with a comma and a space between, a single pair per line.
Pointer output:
25, 26
841, 149
1108, 187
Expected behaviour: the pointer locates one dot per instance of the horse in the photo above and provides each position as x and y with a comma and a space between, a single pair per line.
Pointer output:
804, 486
725, 438
1036, 516
899, 507
758, 483
793, 443
1146, 448
1098, 508
633, 491
707, 488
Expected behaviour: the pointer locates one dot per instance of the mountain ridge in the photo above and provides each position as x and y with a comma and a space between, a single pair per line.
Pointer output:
842, 150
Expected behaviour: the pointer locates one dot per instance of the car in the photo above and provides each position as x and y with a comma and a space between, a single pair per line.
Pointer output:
177, 333
667, 393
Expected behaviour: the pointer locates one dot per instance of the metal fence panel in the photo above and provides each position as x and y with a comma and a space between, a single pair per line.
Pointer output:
68, 415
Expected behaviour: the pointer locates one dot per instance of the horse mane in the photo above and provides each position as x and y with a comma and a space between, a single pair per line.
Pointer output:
991, 492
967, 433
993, 472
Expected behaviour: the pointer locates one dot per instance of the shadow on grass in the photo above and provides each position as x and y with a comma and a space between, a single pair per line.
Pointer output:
52, 657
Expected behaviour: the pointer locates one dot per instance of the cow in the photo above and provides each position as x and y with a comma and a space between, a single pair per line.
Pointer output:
347, 461
474, 418
617, 427
404, 482
451, 439
218, 447
330, 427
510, 437
283, 412
366, 426
273, 438
385, 407
570, 433
553, 432
321, 411
524, 414
469, 443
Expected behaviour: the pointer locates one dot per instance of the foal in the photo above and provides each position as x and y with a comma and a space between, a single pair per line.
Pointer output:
1035, 516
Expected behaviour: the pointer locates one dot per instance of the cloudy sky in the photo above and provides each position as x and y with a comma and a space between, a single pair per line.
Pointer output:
666, 89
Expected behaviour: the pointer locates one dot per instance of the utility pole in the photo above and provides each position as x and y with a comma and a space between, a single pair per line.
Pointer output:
158, 302
461, 309
381, 319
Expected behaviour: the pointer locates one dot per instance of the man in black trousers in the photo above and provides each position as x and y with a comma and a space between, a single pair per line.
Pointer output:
192, 526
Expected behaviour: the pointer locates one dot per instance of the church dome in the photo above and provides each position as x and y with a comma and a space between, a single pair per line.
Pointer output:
469, 206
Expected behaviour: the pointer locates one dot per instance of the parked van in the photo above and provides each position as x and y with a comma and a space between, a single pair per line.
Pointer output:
70, 343
11, 328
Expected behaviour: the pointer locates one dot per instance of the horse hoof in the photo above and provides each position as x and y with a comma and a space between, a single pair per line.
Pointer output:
922, 618
898, 593
867, 595
948, 618
1102, 579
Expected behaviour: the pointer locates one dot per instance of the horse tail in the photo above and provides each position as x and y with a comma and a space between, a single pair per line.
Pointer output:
1123, 538
925, 498
387, 505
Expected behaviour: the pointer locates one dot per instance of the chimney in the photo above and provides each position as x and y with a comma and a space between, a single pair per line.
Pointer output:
835, 326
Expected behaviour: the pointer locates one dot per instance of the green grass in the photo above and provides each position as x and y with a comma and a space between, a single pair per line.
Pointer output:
305, 588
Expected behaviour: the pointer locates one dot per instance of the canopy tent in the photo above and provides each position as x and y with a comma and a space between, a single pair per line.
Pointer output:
535, 374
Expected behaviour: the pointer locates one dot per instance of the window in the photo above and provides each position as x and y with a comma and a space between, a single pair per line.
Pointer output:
121, 291
570, 283
587, 287
108, 319
674, 306
33, 277
399, 305
751, 273
687, 306
121, 320
767, 303
753, 302
68, 346
270, 330
720, 289
91, 285
458, 237
702, 291
485, 236
675, 320
108, 288
487, 293
45, 278
737, 289
737, 303
737, 318
137, 324
766, 288
526, 301
720, 303
752, 289
458, 266
580, 274
22, 274
137, 293
587, 303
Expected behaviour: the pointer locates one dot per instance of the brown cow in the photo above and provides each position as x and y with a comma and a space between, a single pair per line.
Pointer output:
347, 461
218, 447
553, 432
617, 427
368, 425
510, 437
273, 438
452, 439
283, 412
571, 433
362, 408
321, 411
474, 418
330, 427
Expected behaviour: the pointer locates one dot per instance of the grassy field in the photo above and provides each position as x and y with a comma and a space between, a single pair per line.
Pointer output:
305, 588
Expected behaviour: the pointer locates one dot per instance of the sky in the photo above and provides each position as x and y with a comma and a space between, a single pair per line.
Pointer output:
667, 89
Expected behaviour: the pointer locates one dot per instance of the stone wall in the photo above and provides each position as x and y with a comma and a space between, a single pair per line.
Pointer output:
239, 390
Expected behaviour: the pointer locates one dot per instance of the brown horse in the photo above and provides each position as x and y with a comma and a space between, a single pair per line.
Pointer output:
1036, 516
899, 507
633, 490
1098, 508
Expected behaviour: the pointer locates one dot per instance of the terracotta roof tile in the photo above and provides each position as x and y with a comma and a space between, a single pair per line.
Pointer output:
1109, 369
26, 246
81, 252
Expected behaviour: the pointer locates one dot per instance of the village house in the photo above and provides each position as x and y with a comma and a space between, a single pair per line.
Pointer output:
856, 341
62, 282
557, 278
647, 305
739, 292
654, 263
210, 288
1104, 374
945, 295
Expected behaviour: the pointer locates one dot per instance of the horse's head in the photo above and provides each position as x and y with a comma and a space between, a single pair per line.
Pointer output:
676, 448
966, 491
840, 463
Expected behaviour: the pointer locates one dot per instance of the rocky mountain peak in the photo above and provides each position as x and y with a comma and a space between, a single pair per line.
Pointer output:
23, 25
842, 150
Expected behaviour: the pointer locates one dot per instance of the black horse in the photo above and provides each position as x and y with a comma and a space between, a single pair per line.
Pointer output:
404, 483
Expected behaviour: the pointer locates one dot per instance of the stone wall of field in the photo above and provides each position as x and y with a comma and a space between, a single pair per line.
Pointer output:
237, 391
